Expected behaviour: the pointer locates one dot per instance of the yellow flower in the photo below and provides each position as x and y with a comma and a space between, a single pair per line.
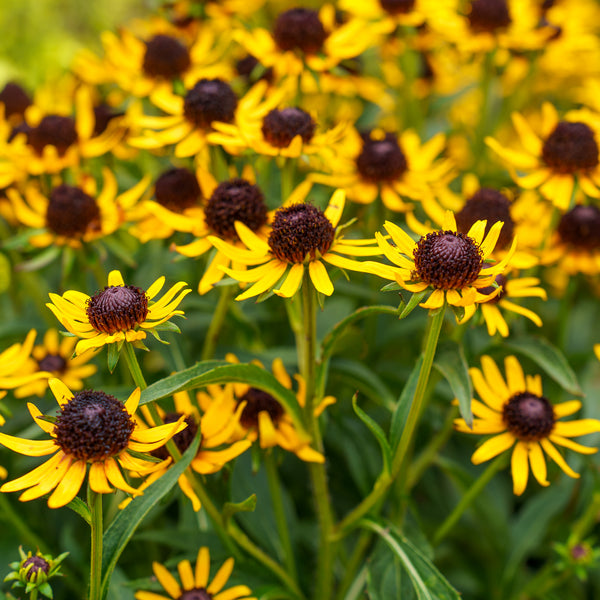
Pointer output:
71, 215
561, 154
394, 167
518, 416
450, 262
55, 357
13, 367
261, 417
216, 426
195, 582
302, 238
91, 428
117, 313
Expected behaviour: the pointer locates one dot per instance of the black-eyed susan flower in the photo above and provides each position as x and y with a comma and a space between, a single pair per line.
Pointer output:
166, 54
189, 118
261, 416
302, 238
447, 261
216, 427
238, 199
118, 313
575, 245
92, 428
514, 410
195, 583
15, 101
49, 141
555, 158
383, 164
70, 215
13, 367
55, 357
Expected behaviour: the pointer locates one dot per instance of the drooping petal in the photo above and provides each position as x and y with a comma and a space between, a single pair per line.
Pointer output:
555, 455
538, 463
69, 485
519, 467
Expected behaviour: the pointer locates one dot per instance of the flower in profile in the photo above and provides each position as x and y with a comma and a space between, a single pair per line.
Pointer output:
514, 410
194, 584
55, 357
563, 153
383, 164
118, 313
302, 238
33, 571
216, 427
261, 416
13, 367
71, 215
447, 261
92, 428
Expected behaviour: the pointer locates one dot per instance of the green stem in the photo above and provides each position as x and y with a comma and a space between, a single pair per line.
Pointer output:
385, 479
216, 323
95, 505
279, 512
288, 174
466, 500
584, 524
134, 366
324, 582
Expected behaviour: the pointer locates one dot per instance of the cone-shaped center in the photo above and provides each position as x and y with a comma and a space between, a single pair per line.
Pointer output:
210, 100
117, 308
570, 147
257, 402
299, 29
280, 127
71, 212
529, 417
177, 189
580, 227
165, 57
381, 160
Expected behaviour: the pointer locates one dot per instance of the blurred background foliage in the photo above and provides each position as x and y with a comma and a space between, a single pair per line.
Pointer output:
40, 37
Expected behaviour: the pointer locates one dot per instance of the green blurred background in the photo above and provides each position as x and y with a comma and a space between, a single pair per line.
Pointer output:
40, 37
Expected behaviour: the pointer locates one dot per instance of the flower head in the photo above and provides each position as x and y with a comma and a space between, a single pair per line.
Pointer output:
194, 584
117, 313
92, 428
446, 260
302, 237
514, 410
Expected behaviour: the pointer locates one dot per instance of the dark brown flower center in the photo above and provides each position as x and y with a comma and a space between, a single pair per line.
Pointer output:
489, 15
397, 7
71, 212
117, 308
299, 29
38, 564
195, 594
210, 100
257, 402
15, 100
93, 426
571, 147
165, 57
53, 130
280, 127
235, 200
177, 189
300, 231
447, 260
529, 417
53, 363
252, 71
490, 289
488, 205
103, 115
580, 227
183, 439
381, 160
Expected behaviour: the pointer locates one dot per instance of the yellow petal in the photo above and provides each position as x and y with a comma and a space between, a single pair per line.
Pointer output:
221, 577
97, 478
493, 447
28, 447
514, 375
519, 468
69, 485
320, 277
538, 463
185, 574
115, 279
167, 580
291, 282
61, 392
576, 428
555, 455
202, 567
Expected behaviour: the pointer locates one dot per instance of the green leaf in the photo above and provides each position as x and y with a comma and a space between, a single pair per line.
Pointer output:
221, 372
231, 508
549, 358
114, 351
450, 362
412, 303
386, 452
120, 531
403, 405
81, 508
41, 260
427, 581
